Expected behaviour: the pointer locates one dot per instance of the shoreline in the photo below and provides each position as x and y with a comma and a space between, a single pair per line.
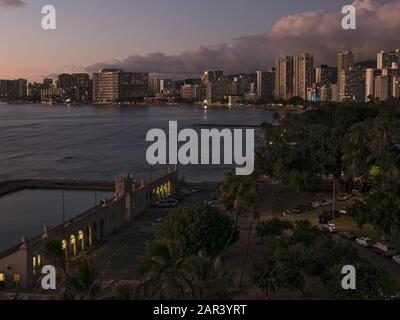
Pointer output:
272, 107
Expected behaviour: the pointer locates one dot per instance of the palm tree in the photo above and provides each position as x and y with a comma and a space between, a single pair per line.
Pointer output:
163, 274
255, 216
384, 137
210, 280
52, 252
237, 195
355, 157
85, 280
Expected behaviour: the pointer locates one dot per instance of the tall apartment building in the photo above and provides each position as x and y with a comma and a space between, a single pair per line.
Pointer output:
325, 94
265, 84
326, 75
381, 88
166, 86
303, 74
13, 90
284, 78
352, 85
217, 90
386, 59
77, 86
370, 84
116, 86
106, 86
396, 87
191, 92
47, 83
132, 86
154, 86
335, 97
345, 62
3, 90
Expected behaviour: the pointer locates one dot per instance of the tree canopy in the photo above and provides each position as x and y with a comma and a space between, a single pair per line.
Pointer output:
198, 228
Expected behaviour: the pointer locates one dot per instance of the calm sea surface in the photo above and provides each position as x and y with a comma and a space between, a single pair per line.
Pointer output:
88, 142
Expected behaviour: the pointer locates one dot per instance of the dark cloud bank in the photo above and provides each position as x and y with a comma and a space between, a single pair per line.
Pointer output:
318, 32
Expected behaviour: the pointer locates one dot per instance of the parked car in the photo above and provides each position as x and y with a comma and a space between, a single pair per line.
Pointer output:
396, 259
185, 192
316, 205
178, 196
347, 235
396, 297
364, 242
172, 200
344, 211
195, 190
166, 204
344, 197
385, 249
298, 210
325, 203
331, 228
212, 203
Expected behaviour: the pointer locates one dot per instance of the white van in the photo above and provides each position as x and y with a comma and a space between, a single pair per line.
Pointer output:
385, 249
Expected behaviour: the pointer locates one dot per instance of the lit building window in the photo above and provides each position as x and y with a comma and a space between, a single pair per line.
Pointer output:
64, 247
81, 239
2, 279
17, 279
73, 244
39, 260
34, 265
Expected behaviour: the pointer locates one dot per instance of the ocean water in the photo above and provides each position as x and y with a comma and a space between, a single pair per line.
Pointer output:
25, 213
87, 142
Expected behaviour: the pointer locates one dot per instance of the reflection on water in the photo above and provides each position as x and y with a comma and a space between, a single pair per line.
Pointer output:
25, 213
86, 142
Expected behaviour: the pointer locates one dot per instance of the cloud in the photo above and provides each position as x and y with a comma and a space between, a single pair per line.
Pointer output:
11, 3
318, 32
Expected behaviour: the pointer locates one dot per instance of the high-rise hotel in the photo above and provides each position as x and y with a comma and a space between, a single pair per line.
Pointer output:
284, 78
116, 86
303, 75
293, 76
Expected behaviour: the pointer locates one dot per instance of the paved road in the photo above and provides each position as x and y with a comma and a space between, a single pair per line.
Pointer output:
120, 256
379, 261
367, 253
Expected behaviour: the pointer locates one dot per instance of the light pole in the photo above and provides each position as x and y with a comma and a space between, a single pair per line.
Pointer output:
334, 197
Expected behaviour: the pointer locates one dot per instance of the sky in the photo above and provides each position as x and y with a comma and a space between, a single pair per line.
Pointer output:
180, 38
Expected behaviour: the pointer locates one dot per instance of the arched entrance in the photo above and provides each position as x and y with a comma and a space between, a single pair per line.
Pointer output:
81, 239
89, 236
73, 245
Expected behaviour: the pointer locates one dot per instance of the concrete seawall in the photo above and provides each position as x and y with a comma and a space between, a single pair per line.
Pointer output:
11, 186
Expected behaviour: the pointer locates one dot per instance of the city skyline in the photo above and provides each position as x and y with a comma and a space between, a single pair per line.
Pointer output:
160, 50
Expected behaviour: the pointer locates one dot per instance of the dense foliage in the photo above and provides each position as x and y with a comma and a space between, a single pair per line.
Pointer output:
198, 228
358, 142
287, 262
382, 210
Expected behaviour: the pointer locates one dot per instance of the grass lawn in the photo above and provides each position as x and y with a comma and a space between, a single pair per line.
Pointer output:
348, 224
